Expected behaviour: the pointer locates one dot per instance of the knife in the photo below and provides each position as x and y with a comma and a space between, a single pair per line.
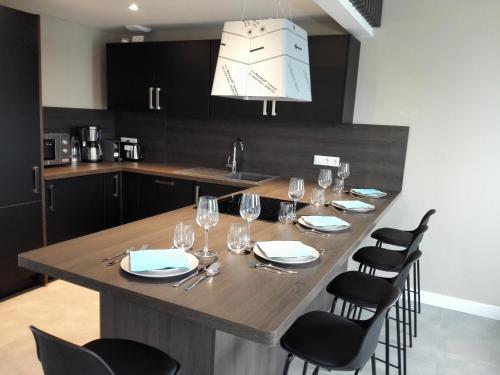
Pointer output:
198, 272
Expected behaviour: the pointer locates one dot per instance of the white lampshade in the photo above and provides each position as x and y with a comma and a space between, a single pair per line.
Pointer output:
263, 60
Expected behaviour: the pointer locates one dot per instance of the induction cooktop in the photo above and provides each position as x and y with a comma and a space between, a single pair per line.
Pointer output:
269, 207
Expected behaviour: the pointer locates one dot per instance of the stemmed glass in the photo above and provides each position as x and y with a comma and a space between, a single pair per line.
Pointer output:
207, 216
325, 178
343, 172
249, 210
296, 192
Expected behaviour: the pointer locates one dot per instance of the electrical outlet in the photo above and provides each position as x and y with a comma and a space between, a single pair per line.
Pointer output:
328, 161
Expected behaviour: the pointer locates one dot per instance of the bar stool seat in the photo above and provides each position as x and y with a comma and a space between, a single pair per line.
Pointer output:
393, 236
380, 258
359, 288
324, 339
130, 357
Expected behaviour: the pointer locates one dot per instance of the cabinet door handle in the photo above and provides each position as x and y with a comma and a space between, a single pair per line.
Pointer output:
158, 98
151, 98
165, 183
52, 205
264, 108
36, 179
196, 194
116, 179
273, 108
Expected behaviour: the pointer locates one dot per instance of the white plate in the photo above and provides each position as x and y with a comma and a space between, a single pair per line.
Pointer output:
166, 272
377, 196
355, 210
335, 228
303, 260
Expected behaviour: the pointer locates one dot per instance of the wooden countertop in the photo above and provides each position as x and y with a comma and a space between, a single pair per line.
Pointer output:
255, 305
199, 174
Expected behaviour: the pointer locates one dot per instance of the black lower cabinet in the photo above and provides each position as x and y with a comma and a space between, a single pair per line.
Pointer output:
81, 205
22, 230
213, 190
147, 195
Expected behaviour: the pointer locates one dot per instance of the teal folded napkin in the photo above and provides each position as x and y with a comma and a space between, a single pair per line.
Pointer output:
353, 205
285, 249
368, 191
324, 221
148, 260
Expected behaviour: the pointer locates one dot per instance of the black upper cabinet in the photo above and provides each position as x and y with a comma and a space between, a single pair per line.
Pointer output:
333, 60
226, 107
20, 160
183, 75
131, 75
173, 77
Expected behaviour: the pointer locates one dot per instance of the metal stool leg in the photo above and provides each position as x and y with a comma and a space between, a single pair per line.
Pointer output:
374, 365
304, 369
410, 325
398, 338
404, 333
418, 284
287, 363
316, 371
343, 309
334, 303
415, 301
387, 343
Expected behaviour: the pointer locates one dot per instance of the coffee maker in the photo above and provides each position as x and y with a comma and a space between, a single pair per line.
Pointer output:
90, 137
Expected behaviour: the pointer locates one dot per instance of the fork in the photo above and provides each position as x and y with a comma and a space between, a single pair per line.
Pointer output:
312, 231
143, 247
269, 265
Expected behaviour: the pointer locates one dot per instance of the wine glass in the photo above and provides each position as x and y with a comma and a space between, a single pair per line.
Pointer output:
183, 236
343, 172
325, 178
296, 192
249, 210
207, 216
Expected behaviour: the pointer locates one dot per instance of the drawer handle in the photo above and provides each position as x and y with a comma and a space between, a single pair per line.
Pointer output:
116, 179
52, 206
151, 98
165, 183
36, 179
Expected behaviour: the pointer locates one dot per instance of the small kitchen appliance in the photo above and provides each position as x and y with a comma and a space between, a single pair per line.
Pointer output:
90, 137
111, 150
56, 149
130, 149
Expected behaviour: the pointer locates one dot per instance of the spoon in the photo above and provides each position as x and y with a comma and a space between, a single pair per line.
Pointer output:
212, 270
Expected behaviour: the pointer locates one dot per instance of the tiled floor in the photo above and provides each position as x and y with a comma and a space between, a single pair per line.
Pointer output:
449, 342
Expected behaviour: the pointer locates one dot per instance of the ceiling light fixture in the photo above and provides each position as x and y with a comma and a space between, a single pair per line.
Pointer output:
133, 7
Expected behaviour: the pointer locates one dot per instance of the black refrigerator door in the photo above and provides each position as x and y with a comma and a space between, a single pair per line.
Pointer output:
19, 108
21, 231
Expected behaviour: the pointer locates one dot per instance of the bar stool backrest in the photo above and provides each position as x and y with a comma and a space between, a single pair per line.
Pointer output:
418, 235
372, 333
60, 357
426, 217
399, 280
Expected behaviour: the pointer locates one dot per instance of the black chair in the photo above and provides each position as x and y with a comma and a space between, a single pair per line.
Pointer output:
101, 357
402, 238
363, 291
372, 258
337, 343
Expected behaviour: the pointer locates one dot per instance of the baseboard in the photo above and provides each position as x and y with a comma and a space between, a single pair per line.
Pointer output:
462, 305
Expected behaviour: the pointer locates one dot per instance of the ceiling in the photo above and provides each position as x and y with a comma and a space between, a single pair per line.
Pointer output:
113, 14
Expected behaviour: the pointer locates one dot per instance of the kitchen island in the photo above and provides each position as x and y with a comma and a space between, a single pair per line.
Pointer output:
230, 324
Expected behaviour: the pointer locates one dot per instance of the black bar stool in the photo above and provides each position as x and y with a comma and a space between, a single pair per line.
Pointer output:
333, 342
101, 357
363, 291
372, 258
402, 238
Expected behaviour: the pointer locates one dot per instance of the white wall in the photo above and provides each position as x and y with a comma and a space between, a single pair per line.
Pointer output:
73, 64
435, 66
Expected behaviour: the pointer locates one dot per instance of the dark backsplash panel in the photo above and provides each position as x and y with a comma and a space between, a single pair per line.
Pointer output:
68, 120
376, 153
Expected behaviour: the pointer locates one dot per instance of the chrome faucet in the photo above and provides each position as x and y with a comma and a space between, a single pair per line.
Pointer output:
234, 164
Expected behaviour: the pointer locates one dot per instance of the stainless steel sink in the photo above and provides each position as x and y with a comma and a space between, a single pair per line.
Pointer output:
248, 176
